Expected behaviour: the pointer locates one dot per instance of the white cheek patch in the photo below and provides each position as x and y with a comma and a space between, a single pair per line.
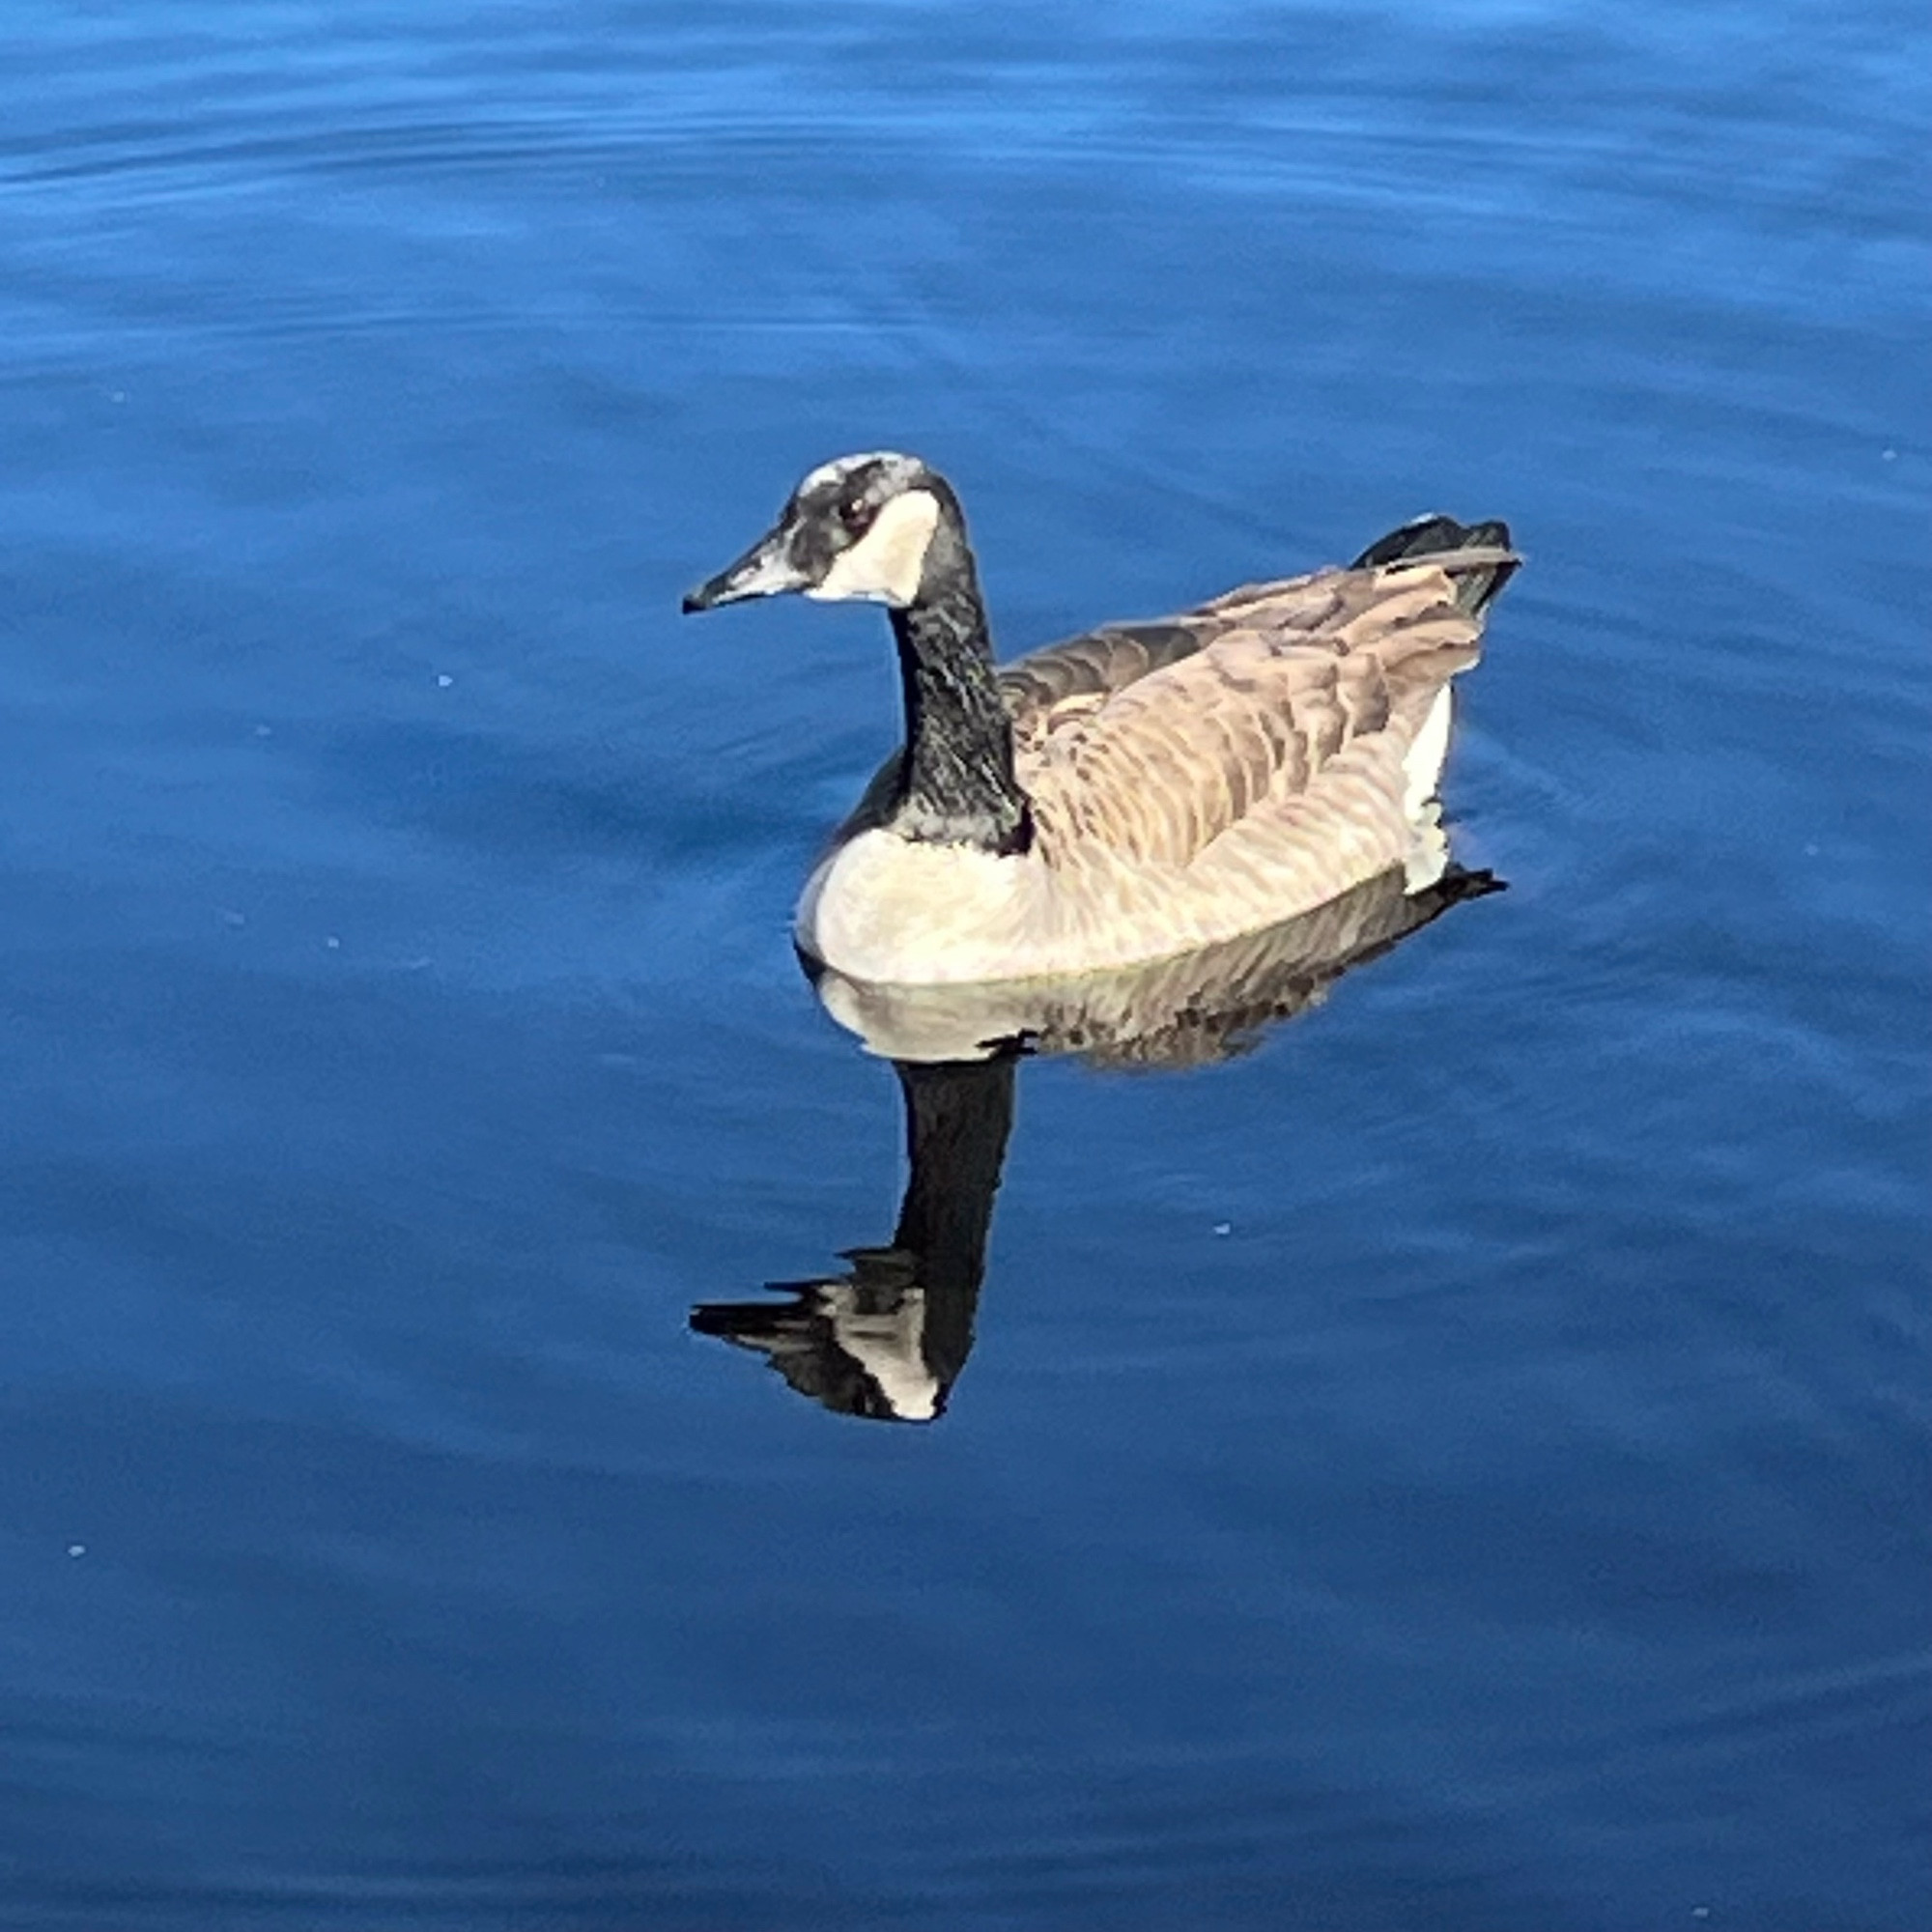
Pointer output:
884, 565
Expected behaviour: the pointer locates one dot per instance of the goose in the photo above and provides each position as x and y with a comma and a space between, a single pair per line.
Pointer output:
1140, 792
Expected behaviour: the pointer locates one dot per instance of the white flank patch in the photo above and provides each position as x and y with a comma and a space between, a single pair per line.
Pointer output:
1428, 856
1422, 763
882, 567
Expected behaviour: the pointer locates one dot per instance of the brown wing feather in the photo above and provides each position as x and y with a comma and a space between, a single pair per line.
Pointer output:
1066, 680
1155, 762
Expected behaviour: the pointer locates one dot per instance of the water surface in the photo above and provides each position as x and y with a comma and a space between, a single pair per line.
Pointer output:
1461, 1464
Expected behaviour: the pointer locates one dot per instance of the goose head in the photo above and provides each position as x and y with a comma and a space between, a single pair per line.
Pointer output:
859, 529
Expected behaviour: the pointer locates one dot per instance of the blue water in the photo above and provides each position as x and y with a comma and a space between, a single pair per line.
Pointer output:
1464, 1464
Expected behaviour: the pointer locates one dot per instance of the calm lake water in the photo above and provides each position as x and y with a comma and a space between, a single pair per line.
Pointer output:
1462, 1464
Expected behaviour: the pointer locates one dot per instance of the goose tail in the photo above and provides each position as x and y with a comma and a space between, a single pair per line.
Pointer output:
1478, 557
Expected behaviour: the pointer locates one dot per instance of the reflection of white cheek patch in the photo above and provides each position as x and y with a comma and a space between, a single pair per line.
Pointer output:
887, 1347
884, 565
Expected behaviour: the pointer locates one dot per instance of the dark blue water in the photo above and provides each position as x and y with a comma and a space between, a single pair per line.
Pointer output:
1464, 1463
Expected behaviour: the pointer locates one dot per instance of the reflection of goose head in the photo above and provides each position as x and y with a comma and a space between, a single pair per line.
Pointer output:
889, 1338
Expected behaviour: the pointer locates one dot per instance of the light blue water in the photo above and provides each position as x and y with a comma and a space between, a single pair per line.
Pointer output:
1517, 1519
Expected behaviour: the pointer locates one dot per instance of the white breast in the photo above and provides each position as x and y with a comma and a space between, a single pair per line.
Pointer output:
891, 909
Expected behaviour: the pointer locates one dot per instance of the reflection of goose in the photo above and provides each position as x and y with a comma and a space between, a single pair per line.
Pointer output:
888, 1338
1132, 794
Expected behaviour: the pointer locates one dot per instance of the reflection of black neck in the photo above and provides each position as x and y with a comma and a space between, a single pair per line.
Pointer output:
958, 1117
958, 784
915, 1301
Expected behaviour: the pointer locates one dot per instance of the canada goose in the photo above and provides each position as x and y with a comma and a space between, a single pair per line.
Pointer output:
1136, 792
889, 1336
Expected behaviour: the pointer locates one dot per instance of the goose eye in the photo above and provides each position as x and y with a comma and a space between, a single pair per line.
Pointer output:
857, 515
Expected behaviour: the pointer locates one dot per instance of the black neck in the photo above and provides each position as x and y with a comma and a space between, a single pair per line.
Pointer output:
957, 785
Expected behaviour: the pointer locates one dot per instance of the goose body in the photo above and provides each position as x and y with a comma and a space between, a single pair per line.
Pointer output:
1137, 792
